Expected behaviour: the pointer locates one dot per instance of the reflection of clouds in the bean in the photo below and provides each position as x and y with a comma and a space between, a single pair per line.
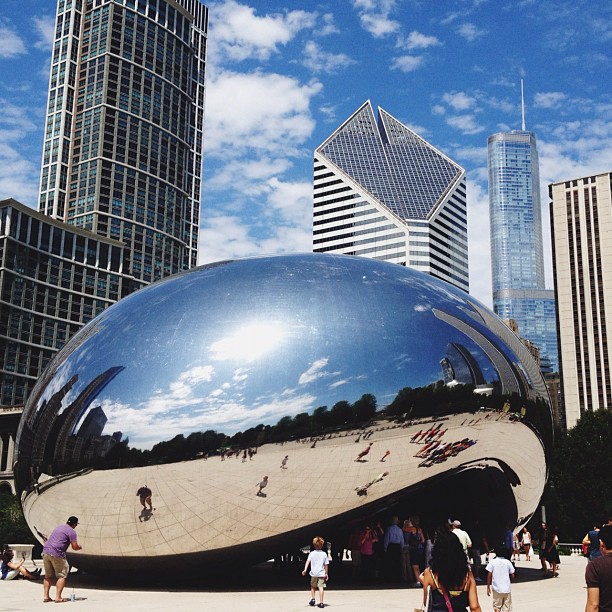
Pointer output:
316, 371
249, 342
179, 410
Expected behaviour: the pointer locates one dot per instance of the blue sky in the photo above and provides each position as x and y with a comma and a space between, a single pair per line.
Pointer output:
283, 75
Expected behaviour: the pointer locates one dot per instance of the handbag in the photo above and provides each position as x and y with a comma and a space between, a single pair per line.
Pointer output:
426, 607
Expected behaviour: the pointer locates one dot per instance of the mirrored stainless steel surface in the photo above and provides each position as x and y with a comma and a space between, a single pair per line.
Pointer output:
200, 385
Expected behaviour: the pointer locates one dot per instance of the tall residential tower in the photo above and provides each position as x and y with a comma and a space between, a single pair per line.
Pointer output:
383, 192
581, 219
517, 257
123, 140
120, 184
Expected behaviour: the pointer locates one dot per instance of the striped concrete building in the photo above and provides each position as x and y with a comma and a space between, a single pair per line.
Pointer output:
381, 191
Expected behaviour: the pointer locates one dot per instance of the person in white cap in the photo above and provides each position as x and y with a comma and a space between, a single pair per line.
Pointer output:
463, 536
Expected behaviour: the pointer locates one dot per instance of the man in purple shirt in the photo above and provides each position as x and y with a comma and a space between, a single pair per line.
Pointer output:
54, 557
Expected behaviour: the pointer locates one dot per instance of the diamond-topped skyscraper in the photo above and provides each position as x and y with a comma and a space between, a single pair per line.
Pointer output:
517, 256
381, 191
122, 151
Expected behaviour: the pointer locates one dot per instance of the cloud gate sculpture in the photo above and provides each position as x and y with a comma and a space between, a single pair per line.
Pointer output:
356, 387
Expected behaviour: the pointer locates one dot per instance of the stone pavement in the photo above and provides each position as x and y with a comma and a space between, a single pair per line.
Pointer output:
530, 593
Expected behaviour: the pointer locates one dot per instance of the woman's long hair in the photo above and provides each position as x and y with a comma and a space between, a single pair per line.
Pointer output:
7, 555
448, 560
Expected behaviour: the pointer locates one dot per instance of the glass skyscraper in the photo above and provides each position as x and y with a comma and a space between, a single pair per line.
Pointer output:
120, 184
517, 257
381, 191
122, 150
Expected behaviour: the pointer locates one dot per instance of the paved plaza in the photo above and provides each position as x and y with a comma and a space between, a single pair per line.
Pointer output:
262, 589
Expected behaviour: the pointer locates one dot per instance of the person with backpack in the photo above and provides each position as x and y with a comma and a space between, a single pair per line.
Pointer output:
413, 550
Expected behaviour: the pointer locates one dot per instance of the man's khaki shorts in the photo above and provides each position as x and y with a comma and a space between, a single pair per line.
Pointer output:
55, 566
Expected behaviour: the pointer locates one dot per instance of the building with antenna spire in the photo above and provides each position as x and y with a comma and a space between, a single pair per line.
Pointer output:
517, 255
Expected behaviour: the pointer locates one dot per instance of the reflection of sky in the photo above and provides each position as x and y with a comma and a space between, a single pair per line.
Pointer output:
248, 342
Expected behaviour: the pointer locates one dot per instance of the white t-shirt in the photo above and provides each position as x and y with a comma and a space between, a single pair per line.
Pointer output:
318, 561
501, 570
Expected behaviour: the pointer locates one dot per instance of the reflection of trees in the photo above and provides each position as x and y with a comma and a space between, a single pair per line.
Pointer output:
434, 400
343, 414
438, 399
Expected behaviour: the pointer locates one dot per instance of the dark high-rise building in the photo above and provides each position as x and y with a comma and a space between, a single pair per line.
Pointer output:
123, 140
120, 185
53, 279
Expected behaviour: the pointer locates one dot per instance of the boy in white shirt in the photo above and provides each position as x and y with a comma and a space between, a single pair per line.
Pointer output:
499, 577
319, 563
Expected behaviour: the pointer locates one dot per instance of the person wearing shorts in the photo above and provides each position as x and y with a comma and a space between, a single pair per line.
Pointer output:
319, 564
54, 558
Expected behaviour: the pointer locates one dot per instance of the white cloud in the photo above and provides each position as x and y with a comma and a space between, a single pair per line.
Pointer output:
466, 124
479, 249
18, 174
407, 63
44, 25
226, 237
328, 27
552, 99
250, 175
237, 33
257, 111
318, 60
291, 200
315, 371
11, 44
416, 40
470, 32
375, 17
459, 100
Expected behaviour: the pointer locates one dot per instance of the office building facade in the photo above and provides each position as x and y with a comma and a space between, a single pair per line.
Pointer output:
123, 139
517, 256
381, 191
581, 220
53, 279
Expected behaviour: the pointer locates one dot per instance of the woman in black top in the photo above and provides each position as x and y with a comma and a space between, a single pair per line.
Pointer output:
453, 588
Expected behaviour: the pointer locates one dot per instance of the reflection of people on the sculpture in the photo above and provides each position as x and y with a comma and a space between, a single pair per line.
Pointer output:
262, 485
445, 451
429, 447
364, 452
363, 490
145, 494
284, 462
387, 453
